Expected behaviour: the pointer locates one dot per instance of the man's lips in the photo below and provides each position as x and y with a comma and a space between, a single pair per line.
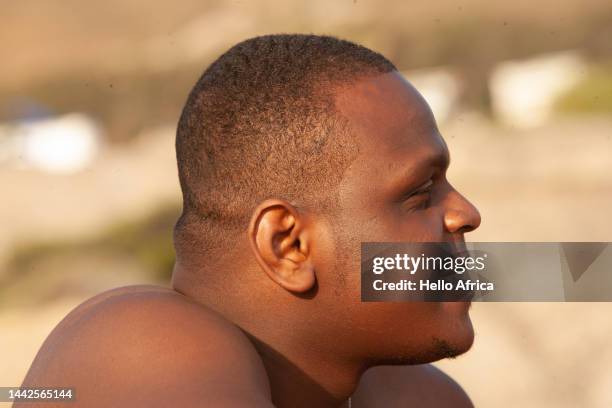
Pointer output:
459, 248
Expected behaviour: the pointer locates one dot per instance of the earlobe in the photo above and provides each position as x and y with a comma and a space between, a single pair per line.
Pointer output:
279, 240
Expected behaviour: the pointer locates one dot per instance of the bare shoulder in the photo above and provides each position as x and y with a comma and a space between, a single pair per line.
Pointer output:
150, 346
401, 386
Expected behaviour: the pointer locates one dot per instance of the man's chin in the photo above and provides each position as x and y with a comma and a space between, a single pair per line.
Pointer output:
449, 349
440, 349
455, 338
437, 348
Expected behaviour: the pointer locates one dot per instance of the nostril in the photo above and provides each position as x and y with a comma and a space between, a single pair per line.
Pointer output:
461, 215
467, 228
461, 221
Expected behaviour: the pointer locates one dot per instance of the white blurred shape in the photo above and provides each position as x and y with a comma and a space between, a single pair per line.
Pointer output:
440, 88
524, 92
8, 144
65, 144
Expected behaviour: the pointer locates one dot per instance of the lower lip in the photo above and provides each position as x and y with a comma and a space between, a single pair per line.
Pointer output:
460, 307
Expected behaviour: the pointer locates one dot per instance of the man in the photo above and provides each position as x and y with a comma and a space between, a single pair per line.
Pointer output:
292, 150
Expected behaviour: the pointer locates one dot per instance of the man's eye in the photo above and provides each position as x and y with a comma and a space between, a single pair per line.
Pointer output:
419, 198
424, 189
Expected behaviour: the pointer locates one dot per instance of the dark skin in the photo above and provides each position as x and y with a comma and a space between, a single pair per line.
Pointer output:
285, 326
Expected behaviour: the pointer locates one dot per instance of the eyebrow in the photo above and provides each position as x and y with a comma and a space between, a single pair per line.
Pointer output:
438, 157
413, 175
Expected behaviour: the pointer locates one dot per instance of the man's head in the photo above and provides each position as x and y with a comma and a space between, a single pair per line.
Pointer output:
292, 150
261, 123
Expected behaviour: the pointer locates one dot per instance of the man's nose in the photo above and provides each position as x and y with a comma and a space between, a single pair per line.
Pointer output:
460, 216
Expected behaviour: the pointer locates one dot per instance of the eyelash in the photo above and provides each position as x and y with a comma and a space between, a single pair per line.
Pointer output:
423, 191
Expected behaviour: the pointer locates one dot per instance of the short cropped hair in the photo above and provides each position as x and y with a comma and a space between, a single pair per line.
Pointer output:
261, 123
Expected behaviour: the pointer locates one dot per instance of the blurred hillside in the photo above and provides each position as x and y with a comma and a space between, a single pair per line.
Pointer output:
131, 63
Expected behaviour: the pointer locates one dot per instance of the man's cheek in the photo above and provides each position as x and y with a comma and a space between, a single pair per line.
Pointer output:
417, 227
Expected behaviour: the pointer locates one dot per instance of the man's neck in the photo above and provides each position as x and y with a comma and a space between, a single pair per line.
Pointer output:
302, 372
303, 379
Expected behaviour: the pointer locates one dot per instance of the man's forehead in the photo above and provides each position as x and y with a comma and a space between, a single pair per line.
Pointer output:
390, 118
378, 91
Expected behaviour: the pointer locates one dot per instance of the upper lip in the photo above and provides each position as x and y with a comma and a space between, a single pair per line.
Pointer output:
458, 248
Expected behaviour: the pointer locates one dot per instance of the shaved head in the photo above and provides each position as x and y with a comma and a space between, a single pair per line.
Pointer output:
261, 122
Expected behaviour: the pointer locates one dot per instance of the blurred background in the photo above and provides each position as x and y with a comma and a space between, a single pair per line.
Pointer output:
90, 93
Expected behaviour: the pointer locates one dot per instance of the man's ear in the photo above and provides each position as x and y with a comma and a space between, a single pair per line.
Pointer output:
279, 240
